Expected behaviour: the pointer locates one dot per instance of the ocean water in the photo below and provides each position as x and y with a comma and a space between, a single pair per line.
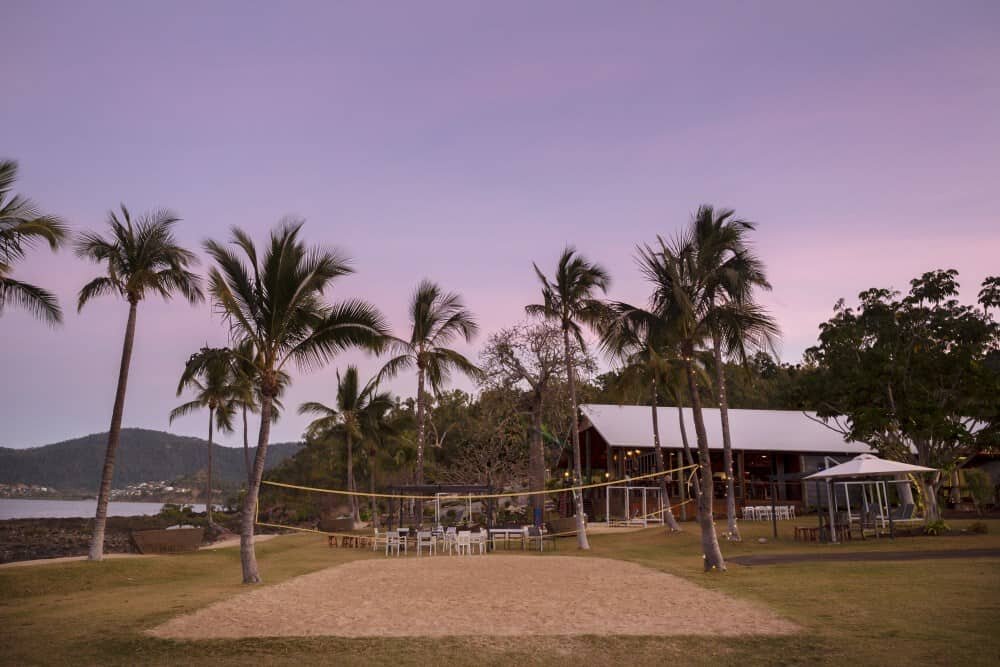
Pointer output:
24, 508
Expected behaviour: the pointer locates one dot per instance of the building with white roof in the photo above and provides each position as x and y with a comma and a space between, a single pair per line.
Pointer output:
772, 449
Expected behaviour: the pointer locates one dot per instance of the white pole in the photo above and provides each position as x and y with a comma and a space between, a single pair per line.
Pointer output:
645, 515
830, 500
607, 505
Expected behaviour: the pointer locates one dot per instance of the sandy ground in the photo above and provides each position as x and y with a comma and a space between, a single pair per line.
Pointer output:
221, 544
478, 595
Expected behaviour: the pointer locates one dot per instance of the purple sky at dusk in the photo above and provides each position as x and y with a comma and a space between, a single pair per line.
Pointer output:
461, 141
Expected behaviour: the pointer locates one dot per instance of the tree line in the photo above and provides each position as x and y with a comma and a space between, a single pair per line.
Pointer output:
699, 332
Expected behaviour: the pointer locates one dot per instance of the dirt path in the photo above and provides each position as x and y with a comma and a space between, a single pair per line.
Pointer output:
493, 595
864, 556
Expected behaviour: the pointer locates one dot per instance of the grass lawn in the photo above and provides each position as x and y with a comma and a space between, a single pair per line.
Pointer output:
913, 612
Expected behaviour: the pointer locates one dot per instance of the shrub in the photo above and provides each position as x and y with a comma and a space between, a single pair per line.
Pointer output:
936, 527
980, 487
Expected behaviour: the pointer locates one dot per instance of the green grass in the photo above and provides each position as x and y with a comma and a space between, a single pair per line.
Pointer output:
918, 612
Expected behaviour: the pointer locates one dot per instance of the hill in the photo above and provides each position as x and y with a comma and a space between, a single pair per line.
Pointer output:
143, 456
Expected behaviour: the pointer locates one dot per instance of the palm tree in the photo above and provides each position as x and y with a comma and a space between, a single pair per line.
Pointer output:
730, 273
276, 304
436, 319
140, 259
209, 373
641, 340
377, 427
349, 417
681, 299
21, 226
569, 301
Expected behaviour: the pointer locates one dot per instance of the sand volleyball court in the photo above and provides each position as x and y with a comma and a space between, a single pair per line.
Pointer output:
478, 595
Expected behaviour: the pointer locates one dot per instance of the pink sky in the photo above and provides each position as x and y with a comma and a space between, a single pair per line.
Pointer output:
462, 141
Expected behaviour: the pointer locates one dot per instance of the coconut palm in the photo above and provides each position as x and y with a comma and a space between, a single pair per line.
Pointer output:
275, 302
569, 301
209, 374
141, 258
437, 318
349, 418
681, 299
730, 273
641, 341
21, 227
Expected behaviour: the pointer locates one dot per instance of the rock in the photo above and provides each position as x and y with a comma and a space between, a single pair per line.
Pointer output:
762, 540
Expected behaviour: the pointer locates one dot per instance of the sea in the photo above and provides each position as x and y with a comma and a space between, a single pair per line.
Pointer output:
30, 508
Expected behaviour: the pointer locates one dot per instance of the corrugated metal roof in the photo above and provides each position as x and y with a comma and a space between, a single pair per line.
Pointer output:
761, 430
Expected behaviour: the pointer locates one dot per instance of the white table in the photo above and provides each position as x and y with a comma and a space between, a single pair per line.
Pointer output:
506, 533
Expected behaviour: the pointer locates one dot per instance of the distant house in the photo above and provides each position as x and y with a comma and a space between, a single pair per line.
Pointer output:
769, 446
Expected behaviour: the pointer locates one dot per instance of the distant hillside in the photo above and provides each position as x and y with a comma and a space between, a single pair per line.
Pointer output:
143, 456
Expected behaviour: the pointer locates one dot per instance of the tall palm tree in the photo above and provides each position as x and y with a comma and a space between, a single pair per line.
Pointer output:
349, 418
641, 341
377, 427
209, 373
436, 319
569, 301
21, 227
679, 295
140, 258
738, 326
276, 303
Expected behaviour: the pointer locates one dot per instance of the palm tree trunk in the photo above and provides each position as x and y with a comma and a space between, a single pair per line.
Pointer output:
208, 485
727, 442
536, 461
668, 517
351, 485
246, 449
690, 460
248, 558
709, 540
114, 434
371, 489
421, 431
581, 527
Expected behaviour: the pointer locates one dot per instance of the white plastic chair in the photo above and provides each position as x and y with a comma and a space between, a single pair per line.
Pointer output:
479, 540
393, 542
425, 539
749, 514
463, 542
377, 539
449, 539
791, 512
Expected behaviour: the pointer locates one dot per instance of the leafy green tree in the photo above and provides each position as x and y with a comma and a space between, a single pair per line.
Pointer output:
140, 258
569, 300
531, 358
910, 374
209, 374
349, 418
21, 227
437, 318
729, 273
275, 303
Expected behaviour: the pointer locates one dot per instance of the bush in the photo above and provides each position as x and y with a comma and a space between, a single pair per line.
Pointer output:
980, 487
936, 527
979, 528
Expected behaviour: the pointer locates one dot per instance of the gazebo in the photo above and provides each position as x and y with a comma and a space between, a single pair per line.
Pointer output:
864, 469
